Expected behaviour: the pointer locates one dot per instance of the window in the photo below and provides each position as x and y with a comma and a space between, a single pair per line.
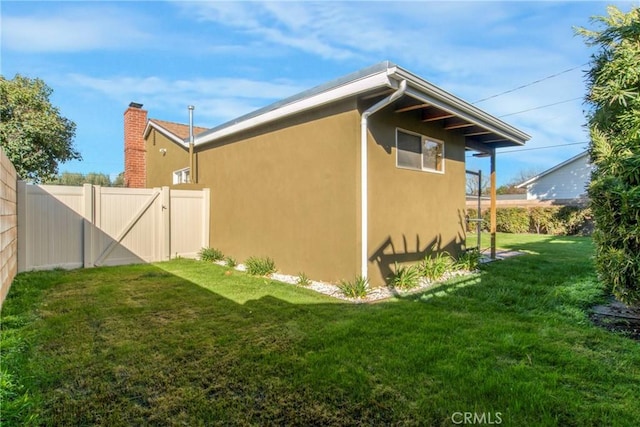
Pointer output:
181, 176
414, 151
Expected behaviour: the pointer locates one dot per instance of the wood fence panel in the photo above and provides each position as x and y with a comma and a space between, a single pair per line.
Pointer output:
8, 224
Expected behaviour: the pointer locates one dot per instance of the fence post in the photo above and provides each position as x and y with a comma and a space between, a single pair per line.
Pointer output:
165, 224
206, 212
23, 221
88, 226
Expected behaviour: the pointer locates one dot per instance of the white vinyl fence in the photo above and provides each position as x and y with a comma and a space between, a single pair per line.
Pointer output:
71, 227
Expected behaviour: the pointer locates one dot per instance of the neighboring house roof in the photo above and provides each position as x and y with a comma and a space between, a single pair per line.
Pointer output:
568, 180
553, 169
482, 131
177, 132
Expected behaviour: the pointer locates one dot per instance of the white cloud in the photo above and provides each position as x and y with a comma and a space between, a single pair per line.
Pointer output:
217, 99
73, 30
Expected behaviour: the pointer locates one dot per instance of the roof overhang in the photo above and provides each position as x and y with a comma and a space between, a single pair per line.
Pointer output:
483, 132
173, 137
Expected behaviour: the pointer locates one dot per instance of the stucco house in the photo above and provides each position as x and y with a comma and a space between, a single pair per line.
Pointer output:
565, 182
337, 181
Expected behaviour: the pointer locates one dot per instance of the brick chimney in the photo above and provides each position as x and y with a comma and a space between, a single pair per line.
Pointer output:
135, 166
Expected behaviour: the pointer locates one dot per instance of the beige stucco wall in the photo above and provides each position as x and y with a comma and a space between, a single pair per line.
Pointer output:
410, 211
291, 192
160, 167
8, 225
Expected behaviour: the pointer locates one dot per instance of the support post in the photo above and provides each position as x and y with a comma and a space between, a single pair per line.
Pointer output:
165, 208
23, 221
493, 204
479, 214
88, 227
206, 215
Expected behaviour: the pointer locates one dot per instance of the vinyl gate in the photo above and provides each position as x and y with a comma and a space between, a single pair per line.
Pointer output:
71, 227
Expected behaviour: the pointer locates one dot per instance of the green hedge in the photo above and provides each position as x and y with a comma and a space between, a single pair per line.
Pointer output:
556, 220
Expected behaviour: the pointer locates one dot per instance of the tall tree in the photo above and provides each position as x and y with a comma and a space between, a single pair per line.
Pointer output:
521, 176
613, 83
34, 135
472, 185
119, 180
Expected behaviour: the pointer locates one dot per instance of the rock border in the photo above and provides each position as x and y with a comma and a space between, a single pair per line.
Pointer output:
375, 294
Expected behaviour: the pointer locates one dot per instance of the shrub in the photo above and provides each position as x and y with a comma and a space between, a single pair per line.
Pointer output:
614, 126
210, 254
404, 277
434, 267
512, 220
260, 266
544, 220
303, 280
565, 220
469, 260
576, 220
359, 288
230, 262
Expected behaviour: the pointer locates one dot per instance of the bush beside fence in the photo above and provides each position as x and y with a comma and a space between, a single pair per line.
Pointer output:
556, 220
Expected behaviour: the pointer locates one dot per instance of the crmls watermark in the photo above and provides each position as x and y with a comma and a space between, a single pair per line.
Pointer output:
476, 418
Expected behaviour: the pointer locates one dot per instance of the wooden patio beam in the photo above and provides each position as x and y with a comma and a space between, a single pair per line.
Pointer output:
412, 107
458, 125
435, 117
477, 133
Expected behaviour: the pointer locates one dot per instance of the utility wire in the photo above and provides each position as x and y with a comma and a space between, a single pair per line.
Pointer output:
540, 148
537, 148
530, 84
541, 107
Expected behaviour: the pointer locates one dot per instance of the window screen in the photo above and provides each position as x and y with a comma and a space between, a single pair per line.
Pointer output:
419, 152
409, 150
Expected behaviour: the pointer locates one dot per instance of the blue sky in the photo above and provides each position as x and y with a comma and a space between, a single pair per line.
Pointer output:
229, 58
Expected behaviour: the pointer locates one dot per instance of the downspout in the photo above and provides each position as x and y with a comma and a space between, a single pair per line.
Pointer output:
364, 169
193, 174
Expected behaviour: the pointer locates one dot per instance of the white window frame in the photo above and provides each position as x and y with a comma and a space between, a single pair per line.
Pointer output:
181, 176
423, 140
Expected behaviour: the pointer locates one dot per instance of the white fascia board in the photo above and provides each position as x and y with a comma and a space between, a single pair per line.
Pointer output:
171, 136
341, 92
553, 169
431, 94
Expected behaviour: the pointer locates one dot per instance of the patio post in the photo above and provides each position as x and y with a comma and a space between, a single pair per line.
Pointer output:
493, 204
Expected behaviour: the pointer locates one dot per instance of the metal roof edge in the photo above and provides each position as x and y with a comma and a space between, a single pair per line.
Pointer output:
351, 84
382, 74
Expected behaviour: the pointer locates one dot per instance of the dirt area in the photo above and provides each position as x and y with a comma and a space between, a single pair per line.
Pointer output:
618, 317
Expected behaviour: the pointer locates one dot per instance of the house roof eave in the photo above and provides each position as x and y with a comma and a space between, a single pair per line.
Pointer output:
383, 75
297, 105
552, 169
173, 137
433, 95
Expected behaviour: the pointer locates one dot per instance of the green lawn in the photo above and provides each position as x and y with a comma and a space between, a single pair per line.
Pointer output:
183, 343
